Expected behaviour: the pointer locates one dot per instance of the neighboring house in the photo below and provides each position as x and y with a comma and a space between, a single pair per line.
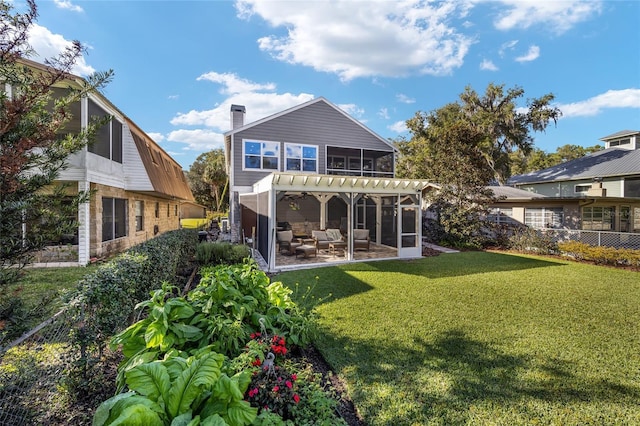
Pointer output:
192, 210
600, 191
137, 187
314, 167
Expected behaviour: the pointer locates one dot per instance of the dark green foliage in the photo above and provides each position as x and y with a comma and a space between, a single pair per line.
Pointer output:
532, 241
105, 300
218, 253
13, 315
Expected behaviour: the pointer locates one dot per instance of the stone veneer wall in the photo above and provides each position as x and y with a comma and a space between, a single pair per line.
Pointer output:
167, 220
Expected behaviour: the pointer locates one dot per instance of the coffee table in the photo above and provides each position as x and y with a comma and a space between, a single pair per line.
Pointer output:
340, 245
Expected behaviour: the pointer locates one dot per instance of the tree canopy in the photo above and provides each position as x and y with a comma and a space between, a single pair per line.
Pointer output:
466, 146
209, 181
34, 145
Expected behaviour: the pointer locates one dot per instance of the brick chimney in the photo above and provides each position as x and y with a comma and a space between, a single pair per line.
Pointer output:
237, 116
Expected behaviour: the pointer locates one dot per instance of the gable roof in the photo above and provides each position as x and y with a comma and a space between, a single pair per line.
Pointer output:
306, 104
510, 193
606, 163
620, 134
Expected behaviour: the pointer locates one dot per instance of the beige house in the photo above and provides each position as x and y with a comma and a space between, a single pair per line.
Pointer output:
599, 192
138, 188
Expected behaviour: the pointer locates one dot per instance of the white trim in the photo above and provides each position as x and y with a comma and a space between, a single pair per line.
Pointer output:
84, 227
301, 158
262, 156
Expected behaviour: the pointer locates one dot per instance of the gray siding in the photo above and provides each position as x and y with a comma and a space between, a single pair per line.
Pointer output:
316, 124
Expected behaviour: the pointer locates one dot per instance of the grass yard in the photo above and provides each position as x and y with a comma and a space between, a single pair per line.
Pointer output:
41, 291
482, 338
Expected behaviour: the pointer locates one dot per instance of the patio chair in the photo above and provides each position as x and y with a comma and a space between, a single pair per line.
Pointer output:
286, 242
361, 239
321, 240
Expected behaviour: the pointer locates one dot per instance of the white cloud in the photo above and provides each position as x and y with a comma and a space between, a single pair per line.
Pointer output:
383, 113
556, 16
398, 127
401, 97
487, 65
157, 137
352, 109
66, 4
232, 84
47, 45
198, 139
510, 45
625, 98
531, 55
354, 39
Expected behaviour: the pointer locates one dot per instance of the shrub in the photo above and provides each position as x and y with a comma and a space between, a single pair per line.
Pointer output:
217, 253
105, 300
530, 240
601, 255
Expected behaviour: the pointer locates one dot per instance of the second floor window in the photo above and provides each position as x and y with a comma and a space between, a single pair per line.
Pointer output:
301, 158
108, 141
261, 155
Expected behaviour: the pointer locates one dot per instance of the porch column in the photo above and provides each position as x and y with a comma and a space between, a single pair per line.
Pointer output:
84, 227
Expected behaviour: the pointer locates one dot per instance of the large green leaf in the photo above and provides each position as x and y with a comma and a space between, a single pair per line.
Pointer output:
102, 412
188, 332
200, 372
178, 308
138, 415
132, 409
151, 380
155, 334
240, 413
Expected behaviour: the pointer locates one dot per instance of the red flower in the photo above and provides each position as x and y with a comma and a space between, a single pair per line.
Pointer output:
281, 342
294, 377
253, 392
257, 362
296, 398
289, 384
276, 388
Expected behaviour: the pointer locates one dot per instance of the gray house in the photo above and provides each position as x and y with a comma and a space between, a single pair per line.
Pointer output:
313, 168
599, 192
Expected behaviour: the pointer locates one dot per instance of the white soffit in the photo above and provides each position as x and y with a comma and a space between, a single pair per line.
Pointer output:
335, 183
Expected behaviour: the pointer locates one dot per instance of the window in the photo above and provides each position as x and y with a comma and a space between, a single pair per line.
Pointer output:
544, 217
175, 211
632, 187
168, 210
114, 218
502, 216
581, 189
260, 155
335, 162
139, 205
157, 209
108, 140
598, 218
301, 158
619, 142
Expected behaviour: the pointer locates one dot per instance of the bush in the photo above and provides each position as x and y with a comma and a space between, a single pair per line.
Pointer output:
530, 240
105, 300
218, 253
601, 255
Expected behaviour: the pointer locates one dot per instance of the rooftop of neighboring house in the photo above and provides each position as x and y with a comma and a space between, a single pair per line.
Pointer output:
621, 157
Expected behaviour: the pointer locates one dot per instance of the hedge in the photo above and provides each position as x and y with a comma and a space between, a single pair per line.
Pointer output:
601, 255
105, 300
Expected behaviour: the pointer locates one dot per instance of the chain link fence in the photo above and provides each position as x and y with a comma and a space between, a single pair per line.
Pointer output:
30, 371
595, 238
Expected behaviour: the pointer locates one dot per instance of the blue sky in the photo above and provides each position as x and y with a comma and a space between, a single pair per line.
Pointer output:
179, 65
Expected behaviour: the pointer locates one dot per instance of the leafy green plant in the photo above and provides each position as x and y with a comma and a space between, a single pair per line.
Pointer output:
176, 390
218, 253
532, 241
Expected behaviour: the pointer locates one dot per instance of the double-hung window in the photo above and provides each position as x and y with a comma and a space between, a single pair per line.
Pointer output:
301, 158
261, 155
139, 205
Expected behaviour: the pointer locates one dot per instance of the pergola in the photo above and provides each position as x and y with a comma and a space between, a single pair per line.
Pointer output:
400, 197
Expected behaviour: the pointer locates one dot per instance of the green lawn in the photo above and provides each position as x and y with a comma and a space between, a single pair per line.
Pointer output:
482, 338
41, 291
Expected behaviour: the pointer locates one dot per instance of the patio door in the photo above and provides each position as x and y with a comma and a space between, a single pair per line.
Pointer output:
409, 238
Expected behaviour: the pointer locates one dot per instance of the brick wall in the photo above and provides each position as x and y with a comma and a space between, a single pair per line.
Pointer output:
160, 215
